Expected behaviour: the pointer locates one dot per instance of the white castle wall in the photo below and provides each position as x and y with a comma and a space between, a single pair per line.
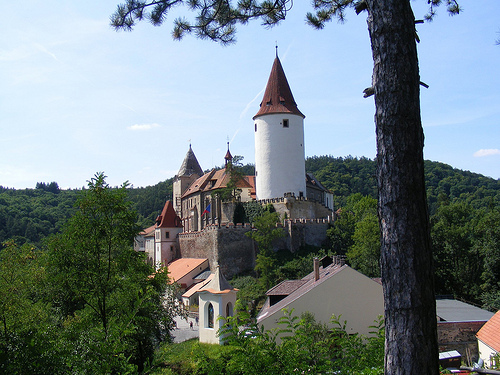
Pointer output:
279, 156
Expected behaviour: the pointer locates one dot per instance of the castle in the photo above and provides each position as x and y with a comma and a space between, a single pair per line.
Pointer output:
199, 221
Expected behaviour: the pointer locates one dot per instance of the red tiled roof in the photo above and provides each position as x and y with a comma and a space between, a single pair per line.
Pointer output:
181, 267
490, 332
215, 179
148, 231
168, 218
278, 97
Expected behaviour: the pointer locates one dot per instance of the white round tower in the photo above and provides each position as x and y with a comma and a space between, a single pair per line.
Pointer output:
279, 141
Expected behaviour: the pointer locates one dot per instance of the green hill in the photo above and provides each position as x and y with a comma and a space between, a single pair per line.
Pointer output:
33, 214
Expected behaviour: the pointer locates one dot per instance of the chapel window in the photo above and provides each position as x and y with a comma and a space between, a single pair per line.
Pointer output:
210, 316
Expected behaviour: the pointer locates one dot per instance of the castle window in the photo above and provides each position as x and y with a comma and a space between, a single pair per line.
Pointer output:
285, 123
210, 316
167, 234
229, 309
255, 127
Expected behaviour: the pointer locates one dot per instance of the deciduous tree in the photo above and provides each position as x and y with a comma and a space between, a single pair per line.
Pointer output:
115, 309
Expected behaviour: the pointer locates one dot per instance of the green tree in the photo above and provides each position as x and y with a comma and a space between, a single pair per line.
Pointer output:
406, 257
26, 326
364, 254
488, 244
459, 264
114, 312
265, 233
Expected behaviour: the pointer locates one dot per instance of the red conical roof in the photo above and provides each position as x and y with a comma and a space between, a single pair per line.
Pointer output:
168, 218
278, 97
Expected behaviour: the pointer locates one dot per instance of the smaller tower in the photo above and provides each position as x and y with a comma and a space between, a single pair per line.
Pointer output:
190, 170
217, 299
168, 226
228, 159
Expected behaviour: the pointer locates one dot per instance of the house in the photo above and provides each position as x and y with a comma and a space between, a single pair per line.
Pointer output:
333, 288
488, 339
183, 271
457, 325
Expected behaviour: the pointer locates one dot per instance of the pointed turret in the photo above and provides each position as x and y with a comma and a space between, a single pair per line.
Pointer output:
168, 218
278, 97
190, 165
228, 158
189, 171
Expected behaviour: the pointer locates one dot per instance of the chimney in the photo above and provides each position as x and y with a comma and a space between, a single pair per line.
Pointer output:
316, 268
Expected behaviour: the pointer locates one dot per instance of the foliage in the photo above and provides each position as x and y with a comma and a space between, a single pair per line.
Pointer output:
27, 339
53, 187
113, 311
253, 210
355, 232
149, 201
458, 263
265, 232
299, 345
31, 215
250, 290
488, 244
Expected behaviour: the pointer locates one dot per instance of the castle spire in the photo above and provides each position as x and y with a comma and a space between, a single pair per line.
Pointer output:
278, 96
228, 158
190, 165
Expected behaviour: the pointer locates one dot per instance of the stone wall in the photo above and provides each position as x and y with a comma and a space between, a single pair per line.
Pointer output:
459, 336
302, 232
294, 208
226, 246
229, 247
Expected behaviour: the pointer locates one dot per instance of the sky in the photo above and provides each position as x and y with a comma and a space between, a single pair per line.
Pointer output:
77, 97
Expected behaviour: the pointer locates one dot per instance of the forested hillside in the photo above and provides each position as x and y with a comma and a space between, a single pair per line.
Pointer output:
346, 176
33, 214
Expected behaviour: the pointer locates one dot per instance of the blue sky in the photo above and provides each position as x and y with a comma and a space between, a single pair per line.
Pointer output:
77, 97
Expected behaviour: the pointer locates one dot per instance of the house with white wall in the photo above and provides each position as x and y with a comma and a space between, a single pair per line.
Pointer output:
488, 340
333, 288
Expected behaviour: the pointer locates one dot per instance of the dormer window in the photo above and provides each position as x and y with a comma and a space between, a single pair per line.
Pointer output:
285, 123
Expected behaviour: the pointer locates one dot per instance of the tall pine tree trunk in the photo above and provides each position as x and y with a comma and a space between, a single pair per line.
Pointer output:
406, 257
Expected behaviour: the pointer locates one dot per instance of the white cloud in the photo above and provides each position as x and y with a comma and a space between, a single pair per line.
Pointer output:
142, 127
486, 152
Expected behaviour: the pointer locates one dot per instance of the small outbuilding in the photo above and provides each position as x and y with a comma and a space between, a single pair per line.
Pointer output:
217, 300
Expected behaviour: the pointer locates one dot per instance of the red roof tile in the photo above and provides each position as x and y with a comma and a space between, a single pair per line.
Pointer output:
490, 332
168, 218
181, 267
278, 97
215, 179
285, 287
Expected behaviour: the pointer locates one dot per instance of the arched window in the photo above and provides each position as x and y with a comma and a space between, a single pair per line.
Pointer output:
210, 316
229, 309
